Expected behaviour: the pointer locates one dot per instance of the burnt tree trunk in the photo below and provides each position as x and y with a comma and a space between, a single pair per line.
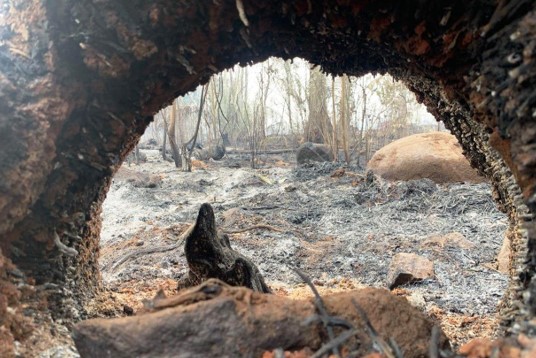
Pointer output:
209, 255
216, 320
81, 80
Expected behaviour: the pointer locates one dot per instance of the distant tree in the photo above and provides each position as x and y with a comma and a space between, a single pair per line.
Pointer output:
334, 139
173, 113
344, 110
318, 128
189, 146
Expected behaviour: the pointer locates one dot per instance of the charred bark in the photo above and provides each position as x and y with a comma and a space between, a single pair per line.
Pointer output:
209, 255
214, 319
81, 80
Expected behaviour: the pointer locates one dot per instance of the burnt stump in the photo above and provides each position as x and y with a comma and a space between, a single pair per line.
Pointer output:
209, 255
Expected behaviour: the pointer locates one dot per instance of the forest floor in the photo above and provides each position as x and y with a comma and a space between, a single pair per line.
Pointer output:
333, 224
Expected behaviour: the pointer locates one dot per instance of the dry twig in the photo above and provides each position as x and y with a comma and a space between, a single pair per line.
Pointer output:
319, 303
266, 227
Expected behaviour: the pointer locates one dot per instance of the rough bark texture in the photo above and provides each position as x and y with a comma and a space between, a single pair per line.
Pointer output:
216, 320
80, 81
209, 255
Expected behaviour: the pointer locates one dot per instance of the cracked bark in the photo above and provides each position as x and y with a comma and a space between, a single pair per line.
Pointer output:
81, 80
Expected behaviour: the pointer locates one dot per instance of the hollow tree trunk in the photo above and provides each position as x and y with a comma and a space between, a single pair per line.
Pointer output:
81, 80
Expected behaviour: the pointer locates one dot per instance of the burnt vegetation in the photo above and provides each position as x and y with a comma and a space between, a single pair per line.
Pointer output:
80, 81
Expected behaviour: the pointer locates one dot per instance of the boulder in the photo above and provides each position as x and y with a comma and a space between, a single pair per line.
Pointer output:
436, 156
408, 268
216, 152
312, 152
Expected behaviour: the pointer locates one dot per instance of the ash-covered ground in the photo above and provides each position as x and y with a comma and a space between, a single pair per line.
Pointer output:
336, 225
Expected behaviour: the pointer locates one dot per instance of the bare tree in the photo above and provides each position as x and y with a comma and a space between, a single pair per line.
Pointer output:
344, 109
164, 139
188, 147
335, 141
318, 127
171, 129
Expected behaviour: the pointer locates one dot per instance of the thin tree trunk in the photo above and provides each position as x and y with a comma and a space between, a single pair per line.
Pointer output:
171, 134
137, 155
344, 117
335, 145
187, 153
164, 140
363, 116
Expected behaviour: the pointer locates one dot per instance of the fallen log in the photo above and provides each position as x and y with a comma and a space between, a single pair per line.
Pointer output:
218, 320
261, 151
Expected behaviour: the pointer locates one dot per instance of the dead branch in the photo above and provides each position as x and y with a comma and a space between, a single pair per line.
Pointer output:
266, 227
319, 304
335, 343
243, 323
261, 152
148, 251
434, 343
138, 253
260, 208
204, 292
333, 321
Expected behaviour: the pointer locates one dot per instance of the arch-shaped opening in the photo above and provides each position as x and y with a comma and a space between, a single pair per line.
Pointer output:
341, 230
82, 80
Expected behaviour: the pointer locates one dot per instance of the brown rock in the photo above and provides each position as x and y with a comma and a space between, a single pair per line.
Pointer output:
408, 268
218, 320
451, 239
436, 156
312, 152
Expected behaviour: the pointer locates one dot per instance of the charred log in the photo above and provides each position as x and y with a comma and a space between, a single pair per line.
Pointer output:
209, 255
241, 323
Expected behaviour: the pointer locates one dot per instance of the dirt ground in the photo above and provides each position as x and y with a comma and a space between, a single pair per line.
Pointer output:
339, 228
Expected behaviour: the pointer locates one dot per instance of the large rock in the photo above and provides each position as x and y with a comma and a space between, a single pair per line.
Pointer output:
312, 152
437, 156
215, 151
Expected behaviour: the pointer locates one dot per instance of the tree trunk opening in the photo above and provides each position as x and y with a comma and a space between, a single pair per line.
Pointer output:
81, 80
